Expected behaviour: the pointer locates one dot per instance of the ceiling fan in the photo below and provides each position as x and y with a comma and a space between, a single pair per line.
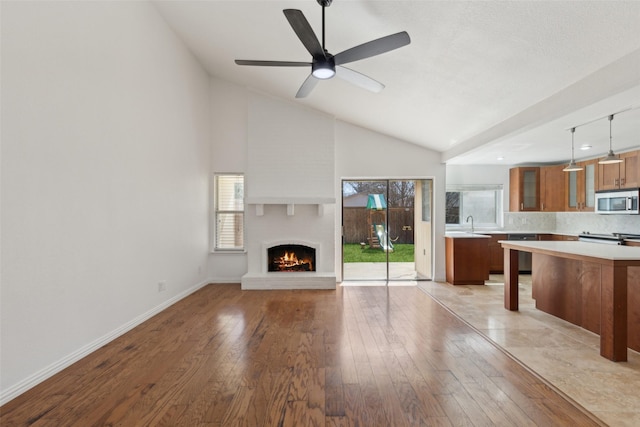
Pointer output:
324, 65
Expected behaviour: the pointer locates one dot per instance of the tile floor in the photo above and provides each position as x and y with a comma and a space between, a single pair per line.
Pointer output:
365, 271
565, 355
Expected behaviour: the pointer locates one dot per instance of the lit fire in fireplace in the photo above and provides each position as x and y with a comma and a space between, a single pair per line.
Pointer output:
291, 260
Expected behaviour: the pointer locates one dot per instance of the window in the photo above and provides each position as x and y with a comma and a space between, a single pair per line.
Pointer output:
427, 190
229, 212
483, 202
453, 207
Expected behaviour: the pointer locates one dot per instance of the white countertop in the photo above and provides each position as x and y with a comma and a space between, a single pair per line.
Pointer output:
582, 249
513, 232
465, 235
490, 232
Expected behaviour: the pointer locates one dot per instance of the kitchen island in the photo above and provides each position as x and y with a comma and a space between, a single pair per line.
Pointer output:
467, 258
592, 285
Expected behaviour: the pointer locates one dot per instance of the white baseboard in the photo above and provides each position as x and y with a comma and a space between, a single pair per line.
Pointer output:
224, 280
35, 379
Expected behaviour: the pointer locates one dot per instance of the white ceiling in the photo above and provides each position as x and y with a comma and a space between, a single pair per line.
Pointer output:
479, 80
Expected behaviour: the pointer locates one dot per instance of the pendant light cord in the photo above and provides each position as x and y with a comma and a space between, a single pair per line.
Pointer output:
573, 131
610, 137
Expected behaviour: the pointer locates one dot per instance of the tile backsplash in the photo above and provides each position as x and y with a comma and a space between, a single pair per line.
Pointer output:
574, 223
530, 221
571, 222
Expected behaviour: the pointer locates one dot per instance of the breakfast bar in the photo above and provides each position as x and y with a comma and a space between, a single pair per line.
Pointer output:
591, 285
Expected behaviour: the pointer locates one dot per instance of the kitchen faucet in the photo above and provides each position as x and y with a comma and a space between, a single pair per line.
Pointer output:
471, 222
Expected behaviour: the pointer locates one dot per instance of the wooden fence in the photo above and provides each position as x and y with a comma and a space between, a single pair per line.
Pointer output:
356, 224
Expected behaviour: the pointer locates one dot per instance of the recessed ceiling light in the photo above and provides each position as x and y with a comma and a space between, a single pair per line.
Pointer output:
499, 158
585, 147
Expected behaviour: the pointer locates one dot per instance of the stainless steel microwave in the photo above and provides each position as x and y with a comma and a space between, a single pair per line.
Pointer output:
617, 201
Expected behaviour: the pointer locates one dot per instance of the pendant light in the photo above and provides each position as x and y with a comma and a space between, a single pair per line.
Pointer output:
572, 167
611, 158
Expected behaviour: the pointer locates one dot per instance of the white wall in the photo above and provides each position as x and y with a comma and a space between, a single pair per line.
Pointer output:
361, 153
229, 124
291, 150
105, 160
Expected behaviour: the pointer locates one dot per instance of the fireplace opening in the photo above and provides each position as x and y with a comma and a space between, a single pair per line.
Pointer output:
291, 258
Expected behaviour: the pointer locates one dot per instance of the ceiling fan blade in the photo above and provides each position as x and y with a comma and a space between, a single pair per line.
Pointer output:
272, 63
307, 86
304, 32
373, 48
359, 79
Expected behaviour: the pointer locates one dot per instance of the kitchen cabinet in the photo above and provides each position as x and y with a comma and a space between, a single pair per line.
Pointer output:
524, 189
620, 175
557, 237
581, 187
564, 238
537, 189
467, 259
552, 188
496, 254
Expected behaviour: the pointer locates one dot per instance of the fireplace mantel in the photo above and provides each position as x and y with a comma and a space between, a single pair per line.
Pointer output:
290, 202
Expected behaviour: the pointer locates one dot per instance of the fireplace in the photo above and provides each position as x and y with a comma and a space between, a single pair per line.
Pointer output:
291, 258
279, 259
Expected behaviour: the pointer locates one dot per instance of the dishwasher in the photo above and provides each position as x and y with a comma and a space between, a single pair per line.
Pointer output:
524, 258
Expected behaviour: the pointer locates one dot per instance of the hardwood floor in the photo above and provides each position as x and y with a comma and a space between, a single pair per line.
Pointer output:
357, 356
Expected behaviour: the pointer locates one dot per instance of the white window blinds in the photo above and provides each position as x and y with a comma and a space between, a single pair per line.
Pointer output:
229, 206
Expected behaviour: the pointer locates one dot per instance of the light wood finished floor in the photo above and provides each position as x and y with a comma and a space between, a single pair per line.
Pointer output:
357, 356
565, 355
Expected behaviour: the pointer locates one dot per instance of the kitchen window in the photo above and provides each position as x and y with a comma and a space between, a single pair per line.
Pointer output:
482, 202
229, 212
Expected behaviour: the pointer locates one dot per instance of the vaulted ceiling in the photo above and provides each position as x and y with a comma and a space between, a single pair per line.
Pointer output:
480, 79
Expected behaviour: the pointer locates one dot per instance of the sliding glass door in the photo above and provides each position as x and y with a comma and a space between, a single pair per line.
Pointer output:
365, 243
401, 212
379, 225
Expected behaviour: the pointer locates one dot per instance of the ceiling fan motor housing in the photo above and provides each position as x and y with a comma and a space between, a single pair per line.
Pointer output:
323, 68
325, 3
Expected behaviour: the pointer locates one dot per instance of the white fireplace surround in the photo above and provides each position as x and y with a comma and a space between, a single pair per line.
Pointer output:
291, 198
290, 279
267, 245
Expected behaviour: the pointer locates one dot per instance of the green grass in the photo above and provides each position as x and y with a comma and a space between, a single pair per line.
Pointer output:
352, 252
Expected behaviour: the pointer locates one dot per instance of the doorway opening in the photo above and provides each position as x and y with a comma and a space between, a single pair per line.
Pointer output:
387, 230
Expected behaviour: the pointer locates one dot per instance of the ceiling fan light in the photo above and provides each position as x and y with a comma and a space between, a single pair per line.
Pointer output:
323, 71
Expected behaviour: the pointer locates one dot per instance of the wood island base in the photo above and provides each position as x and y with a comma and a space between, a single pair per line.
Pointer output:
600, 294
